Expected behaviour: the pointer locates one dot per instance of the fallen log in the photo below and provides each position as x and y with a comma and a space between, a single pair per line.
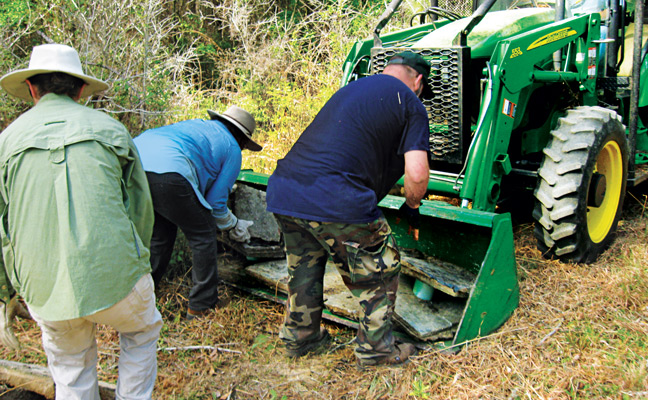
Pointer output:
37, 379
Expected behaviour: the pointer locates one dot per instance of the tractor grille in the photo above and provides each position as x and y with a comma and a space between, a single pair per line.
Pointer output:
447, 110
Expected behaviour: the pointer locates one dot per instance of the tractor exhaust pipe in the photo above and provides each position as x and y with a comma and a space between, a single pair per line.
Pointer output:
634, 91
560, 15
476, 17
384, 18
616, 14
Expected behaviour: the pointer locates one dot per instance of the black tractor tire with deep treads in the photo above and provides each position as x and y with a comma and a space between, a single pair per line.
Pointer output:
581, 185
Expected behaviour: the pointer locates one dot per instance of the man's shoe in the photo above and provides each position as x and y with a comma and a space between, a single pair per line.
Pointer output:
401, 354
193, 314
301, 349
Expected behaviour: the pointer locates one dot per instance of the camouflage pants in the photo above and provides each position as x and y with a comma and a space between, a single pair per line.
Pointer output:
368, 261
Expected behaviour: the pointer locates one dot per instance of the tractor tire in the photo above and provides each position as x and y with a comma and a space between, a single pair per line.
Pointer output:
581, 185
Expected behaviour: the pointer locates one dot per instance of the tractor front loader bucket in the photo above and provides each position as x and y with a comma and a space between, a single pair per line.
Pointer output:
458, 281
467, 257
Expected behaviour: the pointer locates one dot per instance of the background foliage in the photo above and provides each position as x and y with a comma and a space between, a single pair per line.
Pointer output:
170, 60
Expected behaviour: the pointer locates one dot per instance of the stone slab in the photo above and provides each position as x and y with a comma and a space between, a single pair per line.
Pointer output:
250, 204
444, 276
426, 320
436, 320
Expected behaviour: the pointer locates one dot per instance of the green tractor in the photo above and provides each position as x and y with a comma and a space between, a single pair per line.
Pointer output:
530, 96
526, 98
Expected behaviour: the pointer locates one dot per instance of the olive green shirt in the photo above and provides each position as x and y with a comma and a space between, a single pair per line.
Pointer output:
75, 209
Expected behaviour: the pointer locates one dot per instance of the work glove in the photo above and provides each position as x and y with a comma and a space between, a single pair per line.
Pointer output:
240, 231
8, 312
413, 218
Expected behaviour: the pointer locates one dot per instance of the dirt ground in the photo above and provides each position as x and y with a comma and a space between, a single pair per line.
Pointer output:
8, 393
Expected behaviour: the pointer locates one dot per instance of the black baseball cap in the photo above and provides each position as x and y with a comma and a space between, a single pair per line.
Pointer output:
420, 65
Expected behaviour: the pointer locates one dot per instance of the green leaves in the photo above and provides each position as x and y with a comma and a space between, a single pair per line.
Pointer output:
13, 12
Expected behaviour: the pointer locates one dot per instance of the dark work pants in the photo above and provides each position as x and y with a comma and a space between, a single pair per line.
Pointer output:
177, 206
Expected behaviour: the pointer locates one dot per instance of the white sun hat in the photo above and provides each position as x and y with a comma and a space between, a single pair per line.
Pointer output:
50, 58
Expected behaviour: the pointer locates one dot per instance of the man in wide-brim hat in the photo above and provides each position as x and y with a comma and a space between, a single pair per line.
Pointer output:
78, 219
191, 168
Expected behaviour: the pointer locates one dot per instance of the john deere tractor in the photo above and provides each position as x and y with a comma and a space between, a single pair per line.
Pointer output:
529, 96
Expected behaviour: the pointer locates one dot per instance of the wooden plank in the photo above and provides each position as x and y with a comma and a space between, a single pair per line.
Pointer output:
641, 173
420, 319
444, 276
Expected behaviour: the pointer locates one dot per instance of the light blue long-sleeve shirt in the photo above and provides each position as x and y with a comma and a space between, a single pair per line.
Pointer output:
202, 151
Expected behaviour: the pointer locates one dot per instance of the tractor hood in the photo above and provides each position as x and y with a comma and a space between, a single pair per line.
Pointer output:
495, 26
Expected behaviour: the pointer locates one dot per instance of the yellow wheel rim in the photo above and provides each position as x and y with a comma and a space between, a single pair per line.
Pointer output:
610, 164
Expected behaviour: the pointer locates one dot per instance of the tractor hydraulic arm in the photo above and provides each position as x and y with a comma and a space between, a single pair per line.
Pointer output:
515, 65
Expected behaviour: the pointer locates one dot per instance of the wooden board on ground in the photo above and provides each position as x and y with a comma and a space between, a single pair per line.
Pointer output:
444, 276
420, 319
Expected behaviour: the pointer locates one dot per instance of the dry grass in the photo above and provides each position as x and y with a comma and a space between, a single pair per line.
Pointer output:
579, 333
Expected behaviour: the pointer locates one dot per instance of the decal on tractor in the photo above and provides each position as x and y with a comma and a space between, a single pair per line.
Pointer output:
509, 108
552, 37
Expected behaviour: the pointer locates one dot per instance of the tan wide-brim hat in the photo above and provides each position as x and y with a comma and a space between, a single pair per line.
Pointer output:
241, 119
48, 58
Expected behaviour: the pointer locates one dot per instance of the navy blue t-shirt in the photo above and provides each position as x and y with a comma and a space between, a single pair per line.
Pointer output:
352, 153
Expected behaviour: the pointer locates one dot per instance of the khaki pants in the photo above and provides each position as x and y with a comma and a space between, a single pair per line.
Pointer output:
71, 347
